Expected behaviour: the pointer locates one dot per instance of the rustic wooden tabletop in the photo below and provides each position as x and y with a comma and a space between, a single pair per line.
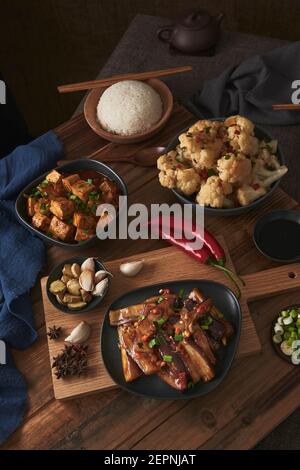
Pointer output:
259, 392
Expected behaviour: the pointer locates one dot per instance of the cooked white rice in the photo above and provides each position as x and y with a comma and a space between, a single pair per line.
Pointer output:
129, 107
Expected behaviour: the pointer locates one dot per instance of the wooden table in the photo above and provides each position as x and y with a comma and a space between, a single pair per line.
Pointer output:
259, 392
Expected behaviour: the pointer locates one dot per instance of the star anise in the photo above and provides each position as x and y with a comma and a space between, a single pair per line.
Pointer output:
72, 360
54, 332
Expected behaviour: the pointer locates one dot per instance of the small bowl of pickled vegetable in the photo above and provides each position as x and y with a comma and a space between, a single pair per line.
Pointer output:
286, 334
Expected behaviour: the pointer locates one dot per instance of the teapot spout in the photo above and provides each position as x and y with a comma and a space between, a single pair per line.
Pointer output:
220, 17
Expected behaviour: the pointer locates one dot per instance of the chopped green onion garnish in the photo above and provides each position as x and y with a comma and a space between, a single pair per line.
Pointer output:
161, 321
89, 181
160, 299
153, 342
181, 292
211, 172
167, 358
227, 157
142, 317
178, 337
73, 197
190, 385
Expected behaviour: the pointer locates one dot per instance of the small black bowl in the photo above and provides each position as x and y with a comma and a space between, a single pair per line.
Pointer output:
261, 134
270, 217
56, 274
82, 164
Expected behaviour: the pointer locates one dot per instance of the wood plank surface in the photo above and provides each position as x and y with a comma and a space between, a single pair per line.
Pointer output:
156, 269
258, 393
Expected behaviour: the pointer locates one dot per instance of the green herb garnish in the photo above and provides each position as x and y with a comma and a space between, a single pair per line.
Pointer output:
89, 181
207, 322
160, 321
181, 293
227, 157
160, 299
190, 385
73, 197
211, 172
167, 358
178, 337
207, 129
153, 342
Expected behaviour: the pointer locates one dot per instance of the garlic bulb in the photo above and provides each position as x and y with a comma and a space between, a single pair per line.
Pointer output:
132, 268
80, 333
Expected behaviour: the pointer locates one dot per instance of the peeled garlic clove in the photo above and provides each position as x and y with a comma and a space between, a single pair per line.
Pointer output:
89, 264
86, 280
76, 270
100, 288
99, 275
132, 268
80, 334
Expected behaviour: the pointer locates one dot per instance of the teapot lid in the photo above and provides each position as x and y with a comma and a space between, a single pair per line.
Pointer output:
198, 19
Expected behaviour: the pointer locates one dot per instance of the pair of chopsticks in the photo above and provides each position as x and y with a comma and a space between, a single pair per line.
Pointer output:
287, 107
106, 82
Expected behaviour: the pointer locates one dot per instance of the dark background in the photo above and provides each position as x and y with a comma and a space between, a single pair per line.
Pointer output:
44, 43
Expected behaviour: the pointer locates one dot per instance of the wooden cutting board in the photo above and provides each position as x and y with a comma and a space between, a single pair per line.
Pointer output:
160, 266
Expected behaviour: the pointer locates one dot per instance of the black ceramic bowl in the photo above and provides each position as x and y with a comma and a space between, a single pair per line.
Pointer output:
260, 134
82, 164
152, 386
56, 274
283, 214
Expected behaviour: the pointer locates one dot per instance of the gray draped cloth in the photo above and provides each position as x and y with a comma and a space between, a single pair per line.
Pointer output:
251, 88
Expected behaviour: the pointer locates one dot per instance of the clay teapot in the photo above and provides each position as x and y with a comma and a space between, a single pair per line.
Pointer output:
195, 33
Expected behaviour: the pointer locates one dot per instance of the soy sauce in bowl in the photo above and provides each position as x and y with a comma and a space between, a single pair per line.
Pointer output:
277, 236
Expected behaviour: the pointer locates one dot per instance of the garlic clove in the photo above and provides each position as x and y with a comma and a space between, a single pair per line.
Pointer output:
100, 288
99, 275
89, 264
76, 270
79, 334
86, 280
132, 268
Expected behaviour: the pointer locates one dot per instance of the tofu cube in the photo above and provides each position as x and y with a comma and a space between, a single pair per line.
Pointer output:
69, 180
62, 207
53, 177
31, 201
82, 189
84, 234
41, 222
61, 230
84, 221
42, 206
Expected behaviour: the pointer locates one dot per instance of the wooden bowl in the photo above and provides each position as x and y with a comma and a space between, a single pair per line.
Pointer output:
90, 112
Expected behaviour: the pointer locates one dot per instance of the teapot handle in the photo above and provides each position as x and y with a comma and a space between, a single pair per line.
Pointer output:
165, 37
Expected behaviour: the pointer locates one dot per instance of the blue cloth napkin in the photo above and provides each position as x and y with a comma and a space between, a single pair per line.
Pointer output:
22, 256
251, 88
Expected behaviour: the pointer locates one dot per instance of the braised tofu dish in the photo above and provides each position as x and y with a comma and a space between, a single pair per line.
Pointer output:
173, 336
64, 206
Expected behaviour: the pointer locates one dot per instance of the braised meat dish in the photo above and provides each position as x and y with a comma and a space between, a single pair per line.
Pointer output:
172, 336
64, 205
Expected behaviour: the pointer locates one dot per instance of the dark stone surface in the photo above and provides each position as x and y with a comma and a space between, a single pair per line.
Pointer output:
140, 50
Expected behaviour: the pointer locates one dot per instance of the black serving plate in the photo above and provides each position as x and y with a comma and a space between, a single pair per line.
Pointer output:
152, 386
82, 164
260, 134
56, 274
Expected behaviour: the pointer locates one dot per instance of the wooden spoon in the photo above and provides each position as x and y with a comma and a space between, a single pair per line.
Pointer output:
144, 157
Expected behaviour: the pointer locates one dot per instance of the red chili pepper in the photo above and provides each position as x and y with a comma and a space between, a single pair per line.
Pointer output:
211, 253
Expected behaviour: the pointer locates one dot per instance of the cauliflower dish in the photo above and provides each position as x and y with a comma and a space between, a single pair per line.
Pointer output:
221, 164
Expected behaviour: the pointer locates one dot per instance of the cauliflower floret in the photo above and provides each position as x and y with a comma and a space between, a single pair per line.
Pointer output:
244, 143
240, 122
188, 181
247, 194
167, 178
167, 161
213, 193
234, 169
265, 175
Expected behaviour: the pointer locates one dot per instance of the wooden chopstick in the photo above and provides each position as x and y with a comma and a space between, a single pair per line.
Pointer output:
105, 82
287, 106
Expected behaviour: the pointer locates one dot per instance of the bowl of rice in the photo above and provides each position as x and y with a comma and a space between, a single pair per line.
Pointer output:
129, 111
